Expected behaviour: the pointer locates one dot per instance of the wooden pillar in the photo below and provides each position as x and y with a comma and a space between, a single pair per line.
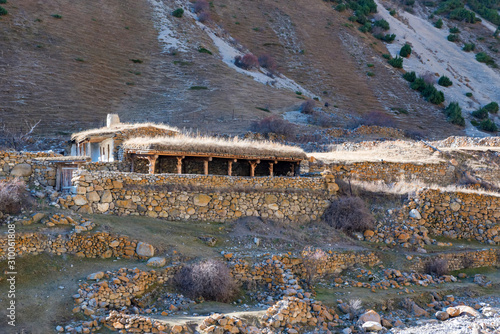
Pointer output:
293, 168
131, 157
179, 165
205, 166
271, 168
152, 163
230, 166
253, 164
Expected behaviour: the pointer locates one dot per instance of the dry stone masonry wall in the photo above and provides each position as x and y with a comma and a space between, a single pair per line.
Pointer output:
24, 165
218, 198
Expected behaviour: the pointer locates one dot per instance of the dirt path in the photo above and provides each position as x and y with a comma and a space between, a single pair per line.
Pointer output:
432, 52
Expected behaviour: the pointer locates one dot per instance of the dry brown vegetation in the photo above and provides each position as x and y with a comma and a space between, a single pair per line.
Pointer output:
117, 128
203, 144
13, 196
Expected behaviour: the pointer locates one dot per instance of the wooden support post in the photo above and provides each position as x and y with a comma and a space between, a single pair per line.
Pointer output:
205, 166
131, 157
152, 163
253, 164
271, 169
179, 165
293, 168
229, 167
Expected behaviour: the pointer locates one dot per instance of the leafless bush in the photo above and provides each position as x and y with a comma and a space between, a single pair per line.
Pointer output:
322, 119
349, 214
377, 118
437, 266
267, 61
407, 304
307, 107
312, 259
429, 78
354, 307
209, 279
13, 196
467, 261
16, 138
201, 6
275, 124
247, 62
204, 17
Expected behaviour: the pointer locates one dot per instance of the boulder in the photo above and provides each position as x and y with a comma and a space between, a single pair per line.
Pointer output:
156, 262
455, 206
80, 200
37, 217
201, 200
453, 312
93, 196
415, 214
464, 309
442, 315
372, 326
106, 197
144, 249
270, 199
102, 207
369, 315
95, 276
419, 312
21, 170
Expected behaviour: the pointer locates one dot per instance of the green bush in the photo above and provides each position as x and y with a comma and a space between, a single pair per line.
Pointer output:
462, 14
491, 107
56, 16
480, 113
405, 51
454, 30
469, 47
418, 84
445, 81
386, 56
482, 57
3, 2
396, 62
468, 94
439, 24
361, 19
3, 11
367, 27
436, 97
178, 12
410, 76
452, 38
382, 24
454, 114
341, 7
392, 12
203, 50
488, 125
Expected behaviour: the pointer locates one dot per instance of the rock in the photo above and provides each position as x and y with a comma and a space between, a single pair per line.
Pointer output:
209, 240
270, 199
347, 331
156, 262
93, 196
442, 315
114, 244
453, 312
80, 200
415, 214
368, 233
38, 217
372, 326
21, 170
106, 197
386, 323
201, 200
144, 249
95, 276
455, 206
60, 328
369, 315
418, 311
102, 207
464, 309
398, 323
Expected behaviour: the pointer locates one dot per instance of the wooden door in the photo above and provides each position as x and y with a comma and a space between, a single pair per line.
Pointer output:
67, 174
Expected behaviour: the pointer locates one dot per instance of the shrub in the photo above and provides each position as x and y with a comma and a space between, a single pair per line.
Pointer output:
469, 47
178, 12
436, 96
56, 16
439, 267
410, 76
418, 85
482, 57
462, 14
452, 38
439, 24
307, 107
386, 38
491, 107
203, 50
246, 62
454, 114
200, 6
377, 118
480, 113
370, 74
488, 125
3, 2
382, 24
341, 7
275, 124
367, 27
386, 56
13, 196
396, 62
361, 19
349, 214
3, 11
468, 94
209, 279
267, 61
454, 30
204, 16
405, 51
445, 81
392, 12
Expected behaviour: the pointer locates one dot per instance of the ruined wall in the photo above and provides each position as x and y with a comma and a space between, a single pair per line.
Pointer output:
441, 174
458, 215
24, 165
200, 197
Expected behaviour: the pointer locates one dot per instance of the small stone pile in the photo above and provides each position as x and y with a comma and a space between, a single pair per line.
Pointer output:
294, 313
80, 224
125, 323
114, 289
219, 324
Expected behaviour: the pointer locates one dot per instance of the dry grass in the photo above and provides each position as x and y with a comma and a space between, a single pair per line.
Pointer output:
64, 158
104, 131
203, 144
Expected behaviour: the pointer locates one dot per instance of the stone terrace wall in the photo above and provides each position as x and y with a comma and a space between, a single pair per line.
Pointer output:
458, 215
463, 260
115, 166
21, 164
441, 174
218, 198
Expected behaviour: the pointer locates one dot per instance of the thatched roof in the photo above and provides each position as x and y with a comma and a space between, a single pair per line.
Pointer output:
66, 158
186, 145
105, 131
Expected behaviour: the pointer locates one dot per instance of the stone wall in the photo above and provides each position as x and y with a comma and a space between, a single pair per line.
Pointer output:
463, 260
441, 174
199, 197
115, 166
24, 165
457, 215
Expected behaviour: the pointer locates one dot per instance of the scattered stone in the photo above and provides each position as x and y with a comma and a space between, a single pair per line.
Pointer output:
372, 326
145, 249
415, 214
442, 315
156, 262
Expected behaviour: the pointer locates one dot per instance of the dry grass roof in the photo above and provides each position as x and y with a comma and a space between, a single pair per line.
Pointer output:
105, 131
68, 158
216, 146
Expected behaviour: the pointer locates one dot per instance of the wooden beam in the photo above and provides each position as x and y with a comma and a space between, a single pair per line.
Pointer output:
271, 169
230, 167
179, 165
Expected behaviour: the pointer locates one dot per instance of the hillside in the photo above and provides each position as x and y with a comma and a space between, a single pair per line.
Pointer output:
68, 64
